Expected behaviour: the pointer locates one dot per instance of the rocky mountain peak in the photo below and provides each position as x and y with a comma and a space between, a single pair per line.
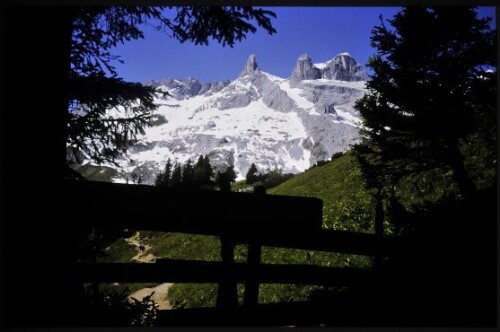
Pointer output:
344, 67
251, 66
304, 69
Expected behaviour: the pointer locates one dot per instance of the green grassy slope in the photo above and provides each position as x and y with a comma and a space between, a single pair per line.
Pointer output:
347, 205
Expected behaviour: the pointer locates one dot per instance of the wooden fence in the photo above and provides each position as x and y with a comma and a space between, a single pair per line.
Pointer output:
236, 218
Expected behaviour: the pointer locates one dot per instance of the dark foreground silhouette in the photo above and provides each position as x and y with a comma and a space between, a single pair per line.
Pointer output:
442, 275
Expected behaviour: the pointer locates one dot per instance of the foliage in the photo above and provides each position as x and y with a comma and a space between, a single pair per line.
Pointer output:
341, 187
224, 179
202, 172
163, 178
115, 308
192, 295
273, 178
107, 114
423, 102
119, 251
187, 176
242, 186
337, 155
251, 176
266, 180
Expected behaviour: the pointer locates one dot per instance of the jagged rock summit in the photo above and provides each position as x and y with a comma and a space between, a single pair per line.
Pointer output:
342, 67
250, 67
305, 69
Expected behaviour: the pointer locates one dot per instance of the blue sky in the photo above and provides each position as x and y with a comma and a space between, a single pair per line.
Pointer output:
321, 32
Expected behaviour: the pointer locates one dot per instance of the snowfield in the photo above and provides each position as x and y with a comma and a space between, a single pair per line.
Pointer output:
257, 118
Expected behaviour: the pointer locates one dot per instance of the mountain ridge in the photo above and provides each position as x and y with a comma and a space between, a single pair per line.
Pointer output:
286, 123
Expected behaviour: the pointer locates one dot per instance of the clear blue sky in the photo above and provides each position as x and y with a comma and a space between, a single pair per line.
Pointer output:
321, 32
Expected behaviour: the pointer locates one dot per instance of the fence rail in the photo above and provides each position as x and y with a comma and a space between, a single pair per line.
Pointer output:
211, 272
237, 218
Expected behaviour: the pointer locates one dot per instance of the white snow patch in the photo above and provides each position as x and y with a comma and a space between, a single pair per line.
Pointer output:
358, 85
322, 65
347, 118
273, 78
294, 93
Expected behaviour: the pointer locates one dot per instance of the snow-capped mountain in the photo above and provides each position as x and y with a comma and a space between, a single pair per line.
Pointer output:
283, 123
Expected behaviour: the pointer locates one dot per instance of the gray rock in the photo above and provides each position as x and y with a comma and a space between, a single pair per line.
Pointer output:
250, 67
211, 88
276, 98
304, 70
344, 68
325, 108
210, 124
180, 88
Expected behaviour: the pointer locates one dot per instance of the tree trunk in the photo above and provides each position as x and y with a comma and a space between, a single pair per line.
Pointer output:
38, 255
379, 223
456, 160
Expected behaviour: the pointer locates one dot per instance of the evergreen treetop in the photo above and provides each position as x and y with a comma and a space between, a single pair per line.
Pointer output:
422, 105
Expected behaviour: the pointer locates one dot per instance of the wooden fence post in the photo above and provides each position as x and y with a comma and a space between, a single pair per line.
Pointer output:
227, 295
251, 296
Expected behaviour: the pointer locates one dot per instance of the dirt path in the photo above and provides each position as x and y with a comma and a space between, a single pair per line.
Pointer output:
160, 295
142, 256
161, 291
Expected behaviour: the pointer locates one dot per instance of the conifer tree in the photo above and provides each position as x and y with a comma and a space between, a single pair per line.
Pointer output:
176, 180
163, 178
202, 172
224, 179
198, 176
187, 175
421, 107
208, 171
251, 176
168, 173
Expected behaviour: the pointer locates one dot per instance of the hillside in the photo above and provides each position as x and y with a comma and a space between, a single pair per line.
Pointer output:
347, 204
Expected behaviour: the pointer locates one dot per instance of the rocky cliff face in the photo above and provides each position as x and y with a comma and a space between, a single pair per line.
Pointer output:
258, 118
305, 70
344, 68
250, 67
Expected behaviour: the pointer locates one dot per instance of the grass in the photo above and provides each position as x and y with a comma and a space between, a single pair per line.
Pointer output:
118, 252
347, 206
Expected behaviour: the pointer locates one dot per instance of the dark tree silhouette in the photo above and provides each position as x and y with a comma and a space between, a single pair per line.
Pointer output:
202, 172
57, 59
251, 176
224, 179
163, 178
422, 107
187, 174
176, 180
429, 110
